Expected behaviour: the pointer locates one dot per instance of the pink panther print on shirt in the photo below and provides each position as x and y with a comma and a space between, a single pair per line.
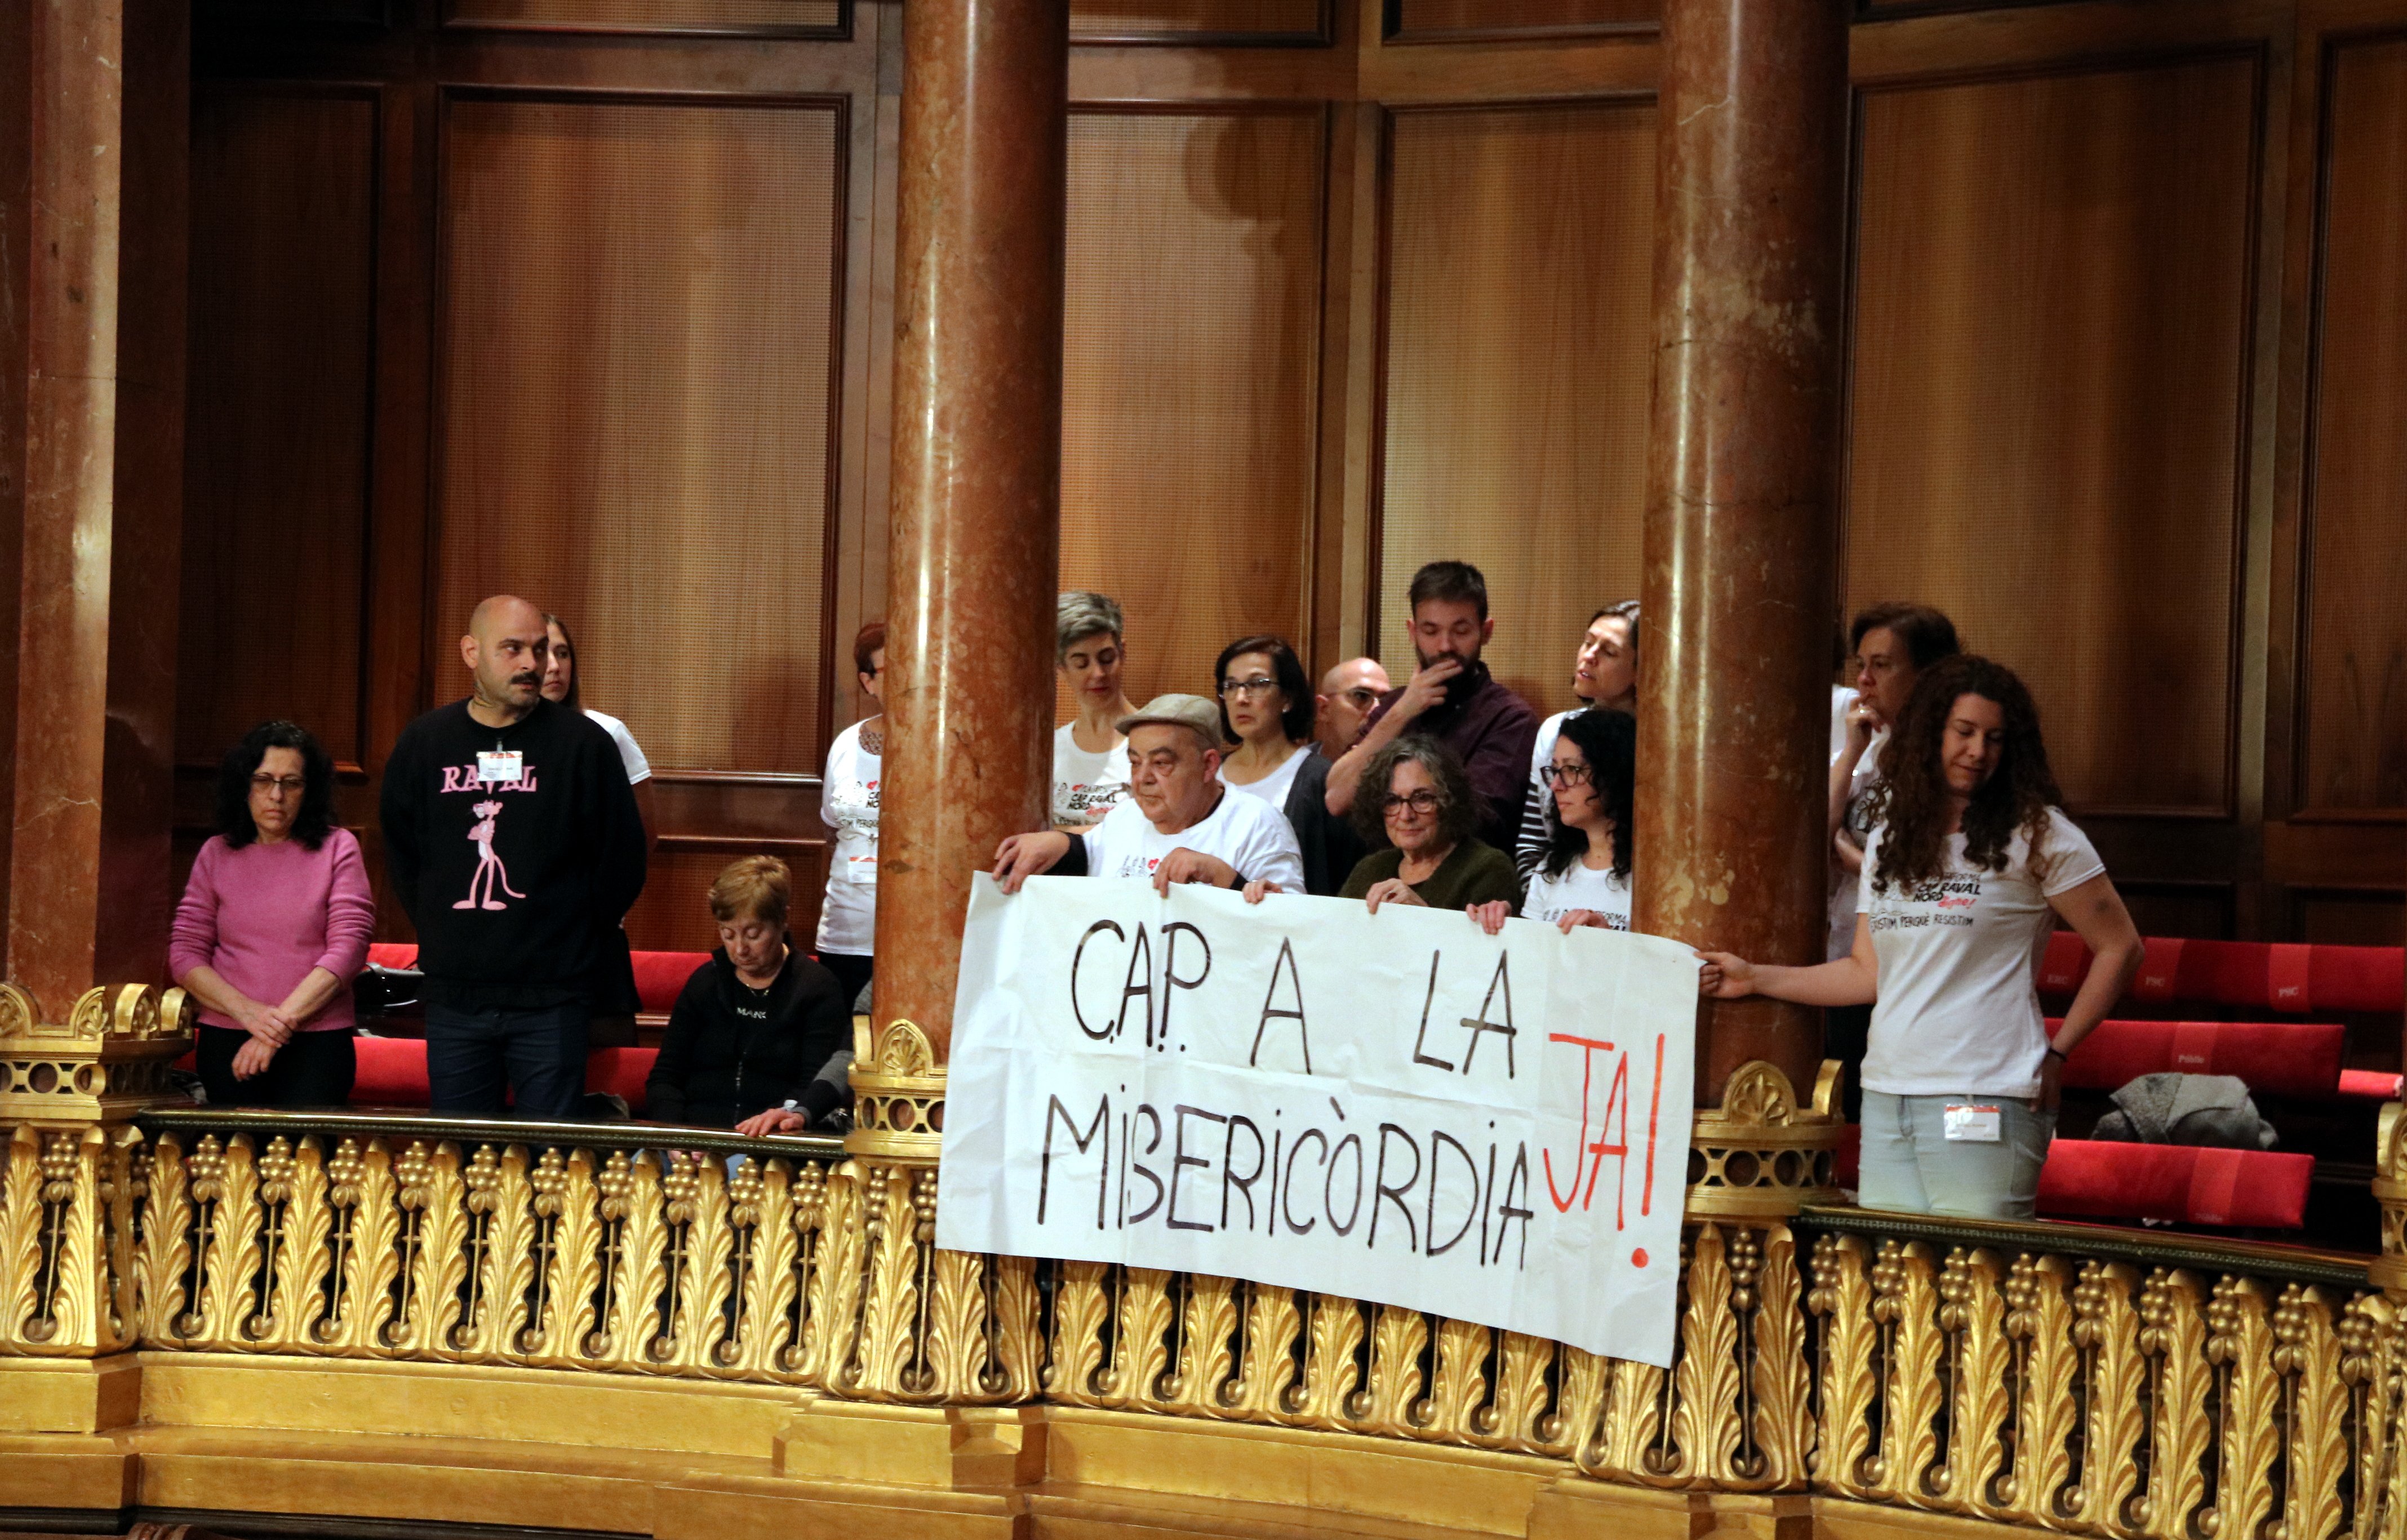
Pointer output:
491, 874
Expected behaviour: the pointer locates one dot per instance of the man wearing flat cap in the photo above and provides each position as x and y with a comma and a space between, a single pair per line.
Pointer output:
1178, 822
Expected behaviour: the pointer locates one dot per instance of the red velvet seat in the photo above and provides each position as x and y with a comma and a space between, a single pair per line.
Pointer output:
2185, 1184
2286, 1058
661, 977
622, 1071
2245, 974
392, 1073
2370, 1084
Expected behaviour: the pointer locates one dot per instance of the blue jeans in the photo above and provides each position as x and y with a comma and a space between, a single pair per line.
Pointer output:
1910, 1164
472, 1057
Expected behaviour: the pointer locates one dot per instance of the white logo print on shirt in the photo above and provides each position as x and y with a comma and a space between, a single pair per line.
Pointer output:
491, 874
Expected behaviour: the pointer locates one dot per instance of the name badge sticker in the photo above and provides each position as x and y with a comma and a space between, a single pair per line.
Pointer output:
861, 870
1979, 1125
495, 767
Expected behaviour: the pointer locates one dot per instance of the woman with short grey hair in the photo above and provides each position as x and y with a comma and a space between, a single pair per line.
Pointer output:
1090, 768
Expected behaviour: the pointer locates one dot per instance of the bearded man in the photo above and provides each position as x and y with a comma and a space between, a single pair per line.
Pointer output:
1452, 697
512, 838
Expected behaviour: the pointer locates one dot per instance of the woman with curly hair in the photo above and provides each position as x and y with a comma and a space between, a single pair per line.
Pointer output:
1415, 796
273, 927
1969, 863
1583, 875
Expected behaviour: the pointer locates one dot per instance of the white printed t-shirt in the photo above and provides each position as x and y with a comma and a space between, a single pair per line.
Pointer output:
1247, 833
1846, 887
1580, 887
849, 805
1087, 786
630, 754
1958, 1009
1272, 788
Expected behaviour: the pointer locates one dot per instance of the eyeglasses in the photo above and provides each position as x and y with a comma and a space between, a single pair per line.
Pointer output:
282, 785
1567, 775
1232, 688
1363, 697
1425, 802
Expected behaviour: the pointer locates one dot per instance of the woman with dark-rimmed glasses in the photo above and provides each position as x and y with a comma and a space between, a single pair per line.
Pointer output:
273, 927
1416, 795
1266, 711
1583, 876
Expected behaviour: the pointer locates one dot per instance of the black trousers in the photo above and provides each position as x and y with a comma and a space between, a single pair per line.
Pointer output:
314, 1069
853, 971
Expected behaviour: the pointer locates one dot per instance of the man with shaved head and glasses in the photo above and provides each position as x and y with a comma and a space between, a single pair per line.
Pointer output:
513, 840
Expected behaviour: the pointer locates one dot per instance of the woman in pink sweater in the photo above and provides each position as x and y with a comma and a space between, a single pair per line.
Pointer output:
273, 927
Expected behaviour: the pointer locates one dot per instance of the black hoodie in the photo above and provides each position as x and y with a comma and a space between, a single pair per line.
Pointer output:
730, 1052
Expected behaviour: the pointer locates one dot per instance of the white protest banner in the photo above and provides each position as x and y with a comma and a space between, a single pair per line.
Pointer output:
1394, 1107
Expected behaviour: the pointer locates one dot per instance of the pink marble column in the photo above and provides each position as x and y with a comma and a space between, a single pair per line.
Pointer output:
97, 107
978, 473
1742, 465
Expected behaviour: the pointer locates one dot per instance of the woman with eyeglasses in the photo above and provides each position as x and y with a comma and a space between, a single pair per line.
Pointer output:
1266, 711
273, 927
1583, 878
1416, 795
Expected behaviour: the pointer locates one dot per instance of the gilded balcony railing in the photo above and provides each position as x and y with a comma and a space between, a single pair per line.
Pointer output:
2069, 1377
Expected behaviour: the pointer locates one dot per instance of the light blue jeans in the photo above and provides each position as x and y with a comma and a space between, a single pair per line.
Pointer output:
1911, 1166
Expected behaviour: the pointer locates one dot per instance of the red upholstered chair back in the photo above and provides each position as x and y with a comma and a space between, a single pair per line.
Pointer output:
2285, 1058
2184, 1184
392, 1073
2291, 981
661, 976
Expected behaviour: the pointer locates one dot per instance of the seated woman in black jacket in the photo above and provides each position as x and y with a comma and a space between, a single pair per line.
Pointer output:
761, 1037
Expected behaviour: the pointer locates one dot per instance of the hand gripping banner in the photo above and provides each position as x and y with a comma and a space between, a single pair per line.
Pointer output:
1391, 1106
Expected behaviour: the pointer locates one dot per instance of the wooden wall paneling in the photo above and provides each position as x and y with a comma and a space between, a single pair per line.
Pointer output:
1500, 71
1141, 73
2049, 397
2352, 733
2053, 35
873, 123
1192, 349
637, 402
1197, 24
1517, 361
1889, 10
876, 461
2349, 917
780, 19
1342, 553
2199, 911
674, 913
1463, 20
289, 13
400, 630
278, 420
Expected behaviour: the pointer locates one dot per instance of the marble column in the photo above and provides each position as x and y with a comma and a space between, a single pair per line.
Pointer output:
978, 473
94, 99
1742, 473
